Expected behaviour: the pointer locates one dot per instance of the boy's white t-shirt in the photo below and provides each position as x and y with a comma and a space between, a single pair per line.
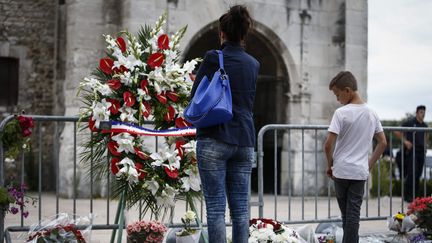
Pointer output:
355, 126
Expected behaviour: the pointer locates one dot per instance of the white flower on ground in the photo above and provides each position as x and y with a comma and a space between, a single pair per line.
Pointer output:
125, 142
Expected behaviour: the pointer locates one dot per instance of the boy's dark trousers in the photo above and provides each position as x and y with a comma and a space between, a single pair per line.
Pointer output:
349, 194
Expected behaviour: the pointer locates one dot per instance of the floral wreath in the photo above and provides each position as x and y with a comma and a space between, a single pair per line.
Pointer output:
141, 81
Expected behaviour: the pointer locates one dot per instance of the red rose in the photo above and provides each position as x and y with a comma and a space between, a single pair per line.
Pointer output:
114, 167
106, 64
112, 147
155, 60
162, 98
26, 132
25, 122
163, 42
171, 173
115, 106
169, 116
128, 98
121, 43
146, 110
172, 96
114, 84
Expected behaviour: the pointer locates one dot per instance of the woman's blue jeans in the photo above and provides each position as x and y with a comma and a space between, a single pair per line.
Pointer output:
225, 173
349, 194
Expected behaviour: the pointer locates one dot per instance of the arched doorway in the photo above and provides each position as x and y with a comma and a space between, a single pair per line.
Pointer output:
272, 85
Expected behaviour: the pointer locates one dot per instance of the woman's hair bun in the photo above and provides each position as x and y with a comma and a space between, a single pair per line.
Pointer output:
236, 23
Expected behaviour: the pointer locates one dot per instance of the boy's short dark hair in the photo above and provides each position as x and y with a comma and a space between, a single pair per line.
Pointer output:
344, 79
420, 107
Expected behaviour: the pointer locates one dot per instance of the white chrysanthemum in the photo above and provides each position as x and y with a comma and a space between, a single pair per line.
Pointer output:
101, 111
125, 142
127, 114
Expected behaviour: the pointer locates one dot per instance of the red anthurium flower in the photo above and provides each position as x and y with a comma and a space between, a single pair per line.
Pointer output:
115, 106
122, 69
171, 173
162, 98
114, 167
155, 60
92, 125
181, 122
143, 85
141, 154
106, 64
122, 44
179, 147
128, 98
112, 147
172, 96
163, 42
146, 110
141, 172
114, 84
169, 116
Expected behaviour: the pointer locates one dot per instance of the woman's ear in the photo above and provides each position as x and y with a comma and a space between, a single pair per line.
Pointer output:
221, 37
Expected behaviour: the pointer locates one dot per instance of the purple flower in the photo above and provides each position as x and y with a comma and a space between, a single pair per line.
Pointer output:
25, 214
14, 210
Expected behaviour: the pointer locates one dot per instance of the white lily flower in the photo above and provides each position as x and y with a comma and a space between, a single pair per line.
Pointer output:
167, 197
125, 142
192, 181
129, 171
127, 114
152, 185
126, 78
101, 111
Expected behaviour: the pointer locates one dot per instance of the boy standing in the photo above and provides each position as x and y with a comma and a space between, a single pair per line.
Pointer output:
351, 131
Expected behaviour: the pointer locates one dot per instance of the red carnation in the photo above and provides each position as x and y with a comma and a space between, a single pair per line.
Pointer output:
112, 147
114, 167
106, 64
155, 60
162, 98
141, 172
128, 98
163, 42
171, 173
115, 106
146, 110
114, 84
169, 116
172, 96
121, 43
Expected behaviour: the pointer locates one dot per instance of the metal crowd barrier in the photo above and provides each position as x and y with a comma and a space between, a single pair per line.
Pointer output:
311, 205
39, 131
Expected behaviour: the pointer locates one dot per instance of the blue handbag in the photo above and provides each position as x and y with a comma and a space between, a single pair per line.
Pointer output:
212, 102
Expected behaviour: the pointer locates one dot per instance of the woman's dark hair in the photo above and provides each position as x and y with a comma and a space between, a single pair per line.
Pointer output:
236, 23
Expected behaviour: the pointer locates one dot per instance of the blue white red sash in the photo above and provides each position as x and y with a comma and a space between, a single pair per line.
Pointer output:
119, 127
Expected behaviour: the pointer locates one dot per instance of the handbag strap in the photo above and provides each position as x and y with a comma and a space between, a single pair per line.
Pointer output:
221, 62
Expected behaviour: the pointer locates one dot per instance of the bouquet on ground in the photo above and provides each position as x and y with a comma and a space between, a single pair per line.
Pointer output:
141, 81
268, 230
401, 223
145, 231
61, 228
188, 234
421, 207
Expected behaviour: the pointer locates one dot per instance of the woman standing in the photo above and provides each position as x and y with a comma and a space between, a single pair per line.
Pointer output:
225, 152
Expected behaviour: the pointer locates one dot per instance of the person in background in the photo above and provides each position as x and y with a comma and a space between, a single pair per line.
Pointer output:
414, 145
225, 152
350, 135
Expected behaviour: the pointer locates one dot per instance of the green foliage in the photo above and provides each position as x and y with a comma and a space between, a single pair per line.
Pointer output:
5, 199
13, 140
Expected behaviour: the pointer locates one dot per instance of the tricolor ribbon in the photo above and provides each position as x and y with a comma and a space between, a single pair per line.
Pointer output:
119, 127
